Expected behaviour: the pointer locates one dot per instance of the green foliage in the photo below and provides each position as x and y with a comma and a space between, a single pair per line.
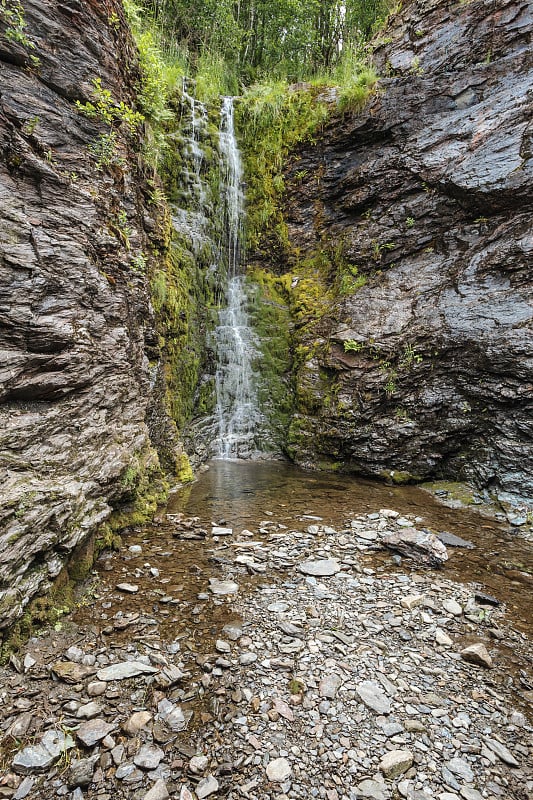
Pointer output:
272, 119
278, 39
12, 15
105, 150
352, 346
106, 109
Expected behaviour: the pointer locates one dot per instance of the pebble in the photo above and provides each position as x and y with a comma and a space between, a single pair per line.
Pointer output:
278, 770
125, 670
148, 757
396, 762
477, 654
158, 791
207, 786
90, 733
502, 752
320, 569
136, 722
223, 587
372, 789
374, 697
452, 607
127, 588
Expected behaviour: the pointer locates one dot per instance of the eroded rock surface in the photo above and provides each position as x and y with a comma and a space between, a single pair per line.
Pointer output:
79, 356
426, 369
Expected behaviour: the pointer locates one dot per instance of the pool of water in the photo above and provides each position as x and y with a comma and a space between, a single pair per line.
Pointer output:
242, 494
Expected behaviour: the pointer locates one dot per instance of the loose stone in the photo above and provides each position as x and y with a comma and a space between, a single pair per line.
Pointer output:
396, 762
90, 733
125, 670
278, 770
477, 654
158, 791
148, 757
374, 697
320, 569
207, 786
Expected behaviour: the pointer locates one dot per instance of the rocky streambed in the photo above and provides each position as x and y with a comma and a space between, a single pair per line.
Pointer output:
261, 641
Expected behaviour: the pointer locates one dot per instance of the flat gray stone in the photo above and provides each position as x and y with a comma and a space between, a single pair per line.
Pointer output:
173, 716
502, 752
92, 732
329, 686
125, 670
207, 786
25, 787
460, 767
320, 569
217, 530
128, 588
81, 772
148, 757
372, 789
39, 757
158, 791
223, 587
373, 696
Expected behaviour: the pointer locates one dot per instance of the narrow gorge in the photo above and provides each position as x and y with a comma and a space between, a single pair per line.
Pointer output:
266, 341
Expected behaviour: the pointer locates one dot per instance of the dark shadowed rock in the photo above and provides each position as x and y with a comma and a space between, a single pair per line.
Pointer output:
427, 196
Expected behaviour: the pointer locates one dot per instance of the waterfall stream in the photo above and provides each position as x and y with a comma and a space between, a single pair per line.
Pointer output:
239, 419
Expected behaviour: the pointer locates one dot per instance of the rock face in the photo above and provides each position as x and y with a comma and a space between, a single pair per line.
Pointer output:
79, 352
425, 197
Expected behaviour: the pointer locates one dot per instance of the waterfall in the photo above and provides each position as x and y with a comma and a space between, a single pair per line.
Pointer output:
239, 420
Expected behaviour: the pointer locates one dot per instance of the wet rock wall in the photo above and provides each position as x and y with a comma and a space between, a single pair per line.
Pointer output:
424, 368
81, 386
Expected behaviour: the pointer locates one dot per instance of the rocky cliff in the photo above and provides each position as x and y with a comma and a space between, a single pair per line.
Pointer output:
423, 366
80, 366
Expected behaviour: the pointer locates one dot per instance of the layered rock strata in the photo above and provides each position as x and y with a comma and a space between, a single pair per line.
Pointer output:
425, 198
79, 353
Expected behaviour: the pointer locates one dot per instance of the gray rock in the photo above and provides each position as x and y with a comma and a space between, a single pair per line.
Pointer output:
458, 766
125, 670
173, 716
320, 569
24, 788
90, 733
148, 757
452, 607
128, 588
470, 794
89, 711
247, 658
451, 540
223, 587
421, 546
502, 752
207, 786
39, 757
158, 791
81, 772
373, 696
372, 789
329, 686
96, 688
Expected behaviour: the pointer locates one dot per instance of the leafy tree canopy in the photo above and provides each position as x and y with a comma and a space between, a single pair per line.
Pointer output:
257, 39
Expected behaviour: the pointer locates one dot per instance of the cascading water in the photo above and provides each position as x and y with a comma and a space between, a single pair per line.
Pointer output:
239, 420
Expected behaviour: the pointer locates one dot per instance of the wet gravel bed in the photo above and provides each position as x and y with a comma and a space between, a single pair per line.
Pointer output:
295, 663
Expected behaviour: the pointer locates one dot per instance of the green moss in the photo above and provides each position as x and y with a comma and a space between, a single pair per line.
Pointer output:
184, 472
